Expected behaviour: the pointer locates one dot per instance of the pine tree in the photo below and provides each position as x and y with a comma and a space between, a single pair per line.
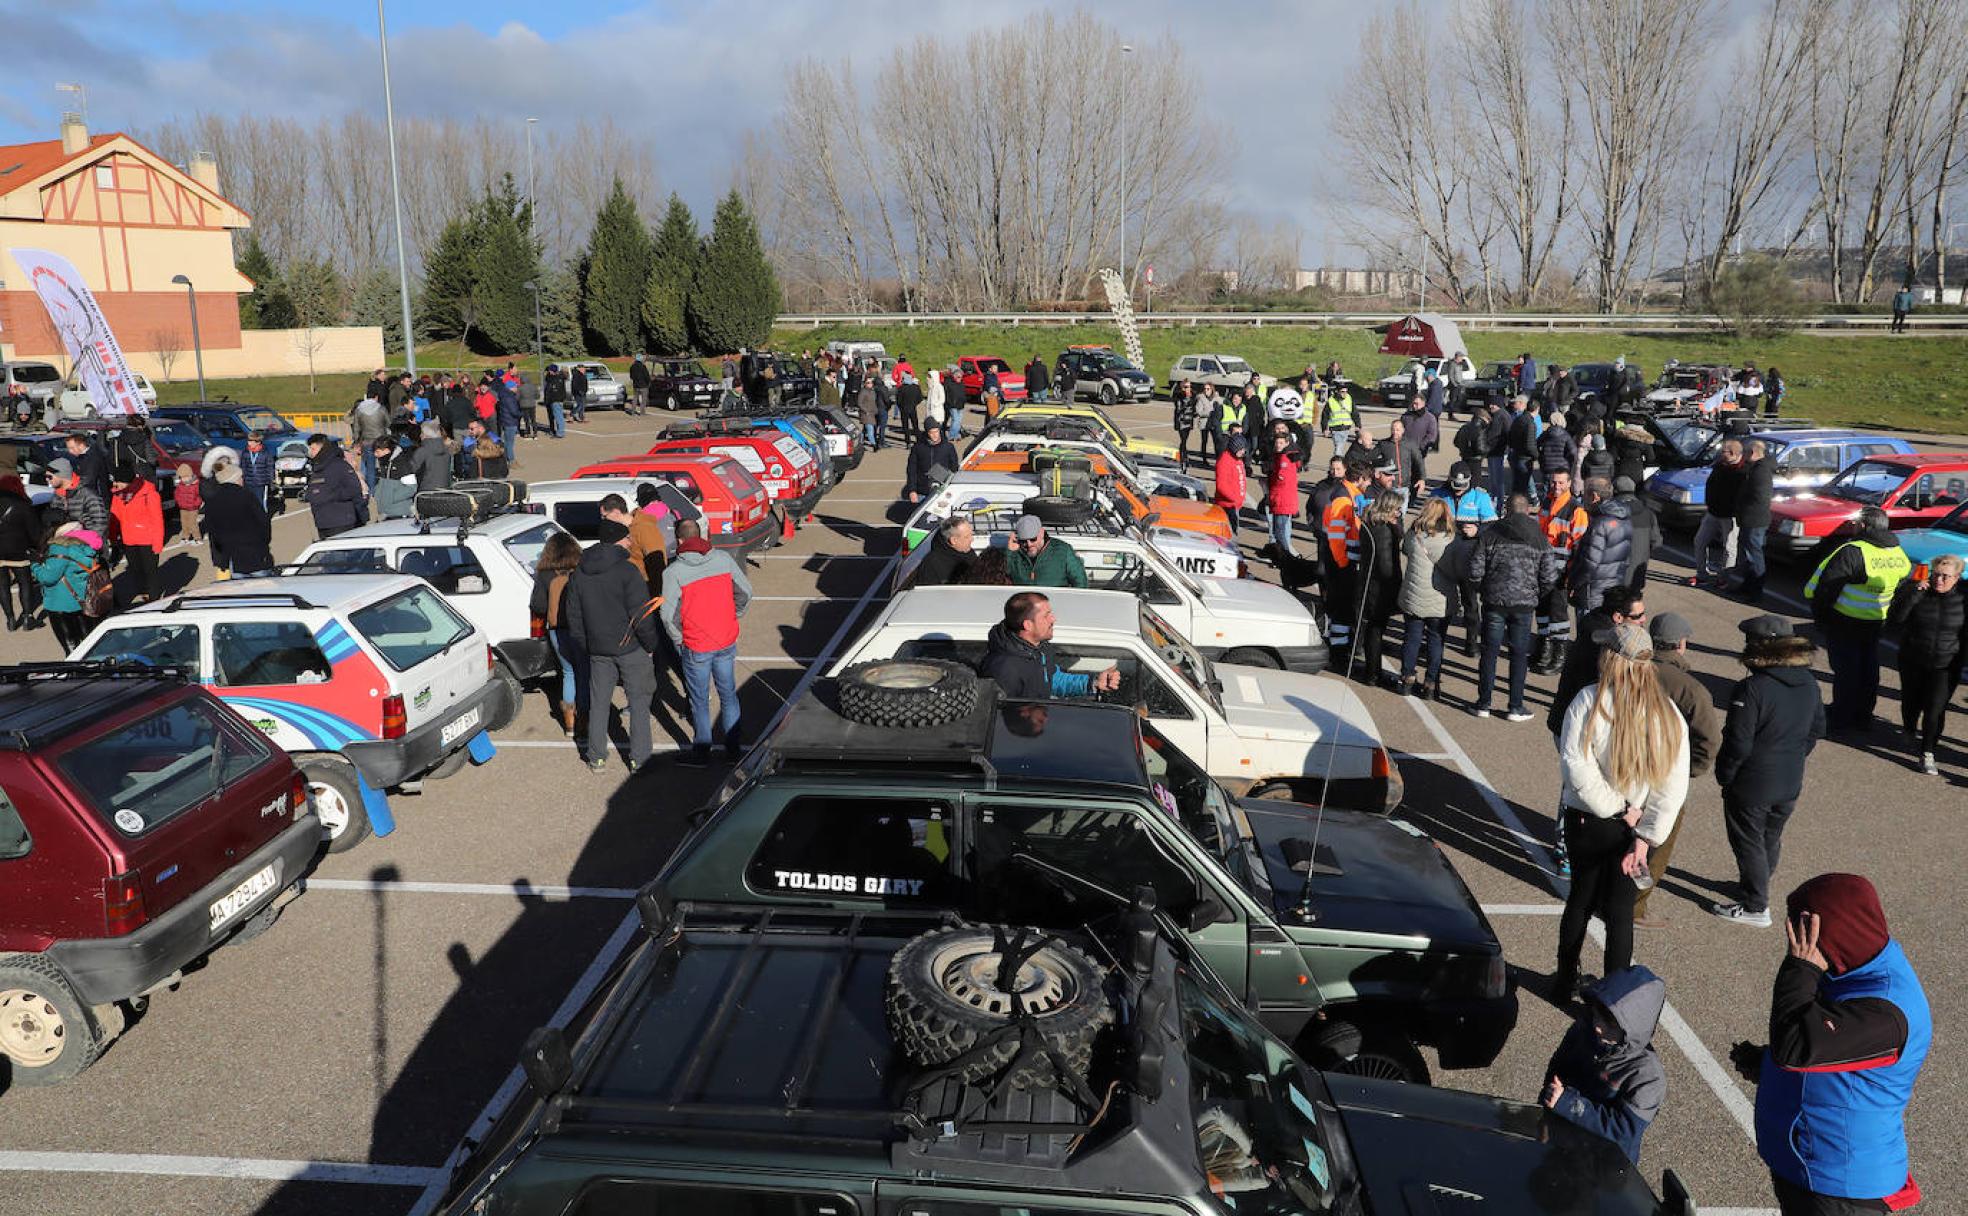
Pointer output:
560, 314
450, 305
267, 305
505, 260
376, 301
734, 296
672, 265
615, 273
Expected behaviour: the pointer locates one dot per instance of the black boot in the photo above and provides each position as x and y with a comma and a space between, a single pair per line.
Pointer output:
1540, 649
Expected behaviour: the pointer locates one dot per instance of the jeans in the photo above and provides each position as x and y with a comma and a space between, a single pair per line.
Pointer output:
1342, 437
1497, 622
580, 407
557, 417
368, 451
1749, 552
1420, 630
1600, 888
1499, 489
573, 666
510, 434
1523, 477
1755, 832
638, 680
700, 669
1852, 649
1281, 532
1715, 532
954, 413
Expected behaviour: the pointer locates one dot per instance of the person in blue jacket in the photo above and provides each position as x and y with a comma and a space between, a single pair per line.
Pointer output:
1021, 659
1605, 1077
1849, 1030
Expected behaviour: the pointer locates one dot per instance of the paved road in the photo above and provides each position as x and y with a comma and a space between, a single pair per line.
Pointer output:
334, 1064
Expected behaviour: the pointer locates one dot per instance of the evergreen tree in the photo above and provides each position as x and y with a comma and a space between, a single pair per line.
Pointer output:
375, 301
505, 260
615, 273
560, 314
672, 265
450, 304
267, 305
734, 296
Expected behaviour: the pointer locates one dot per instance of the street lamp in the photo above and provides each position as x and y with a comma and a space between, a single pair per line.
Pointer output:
533, 206
396, 197
197, 347
1126, 279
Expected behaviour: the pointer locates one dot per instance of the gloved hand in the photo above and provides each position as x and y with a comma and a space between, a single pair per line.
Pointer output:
1748, 1059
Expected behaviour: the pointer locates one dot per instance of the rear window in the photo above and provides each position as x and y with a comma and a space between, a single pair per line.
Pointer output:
36, 373
739, 481
347, 561
162, 765
158, 645
526, 547
409, 627
581, 520
789, 447
743, 453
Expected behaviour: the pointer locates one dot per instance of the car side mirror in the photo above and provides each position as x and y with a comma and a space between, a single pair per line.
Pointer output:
1206, 911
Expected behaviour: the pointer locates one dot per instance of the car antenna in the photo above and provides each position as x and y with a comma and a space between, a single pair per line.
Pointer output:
1303, 910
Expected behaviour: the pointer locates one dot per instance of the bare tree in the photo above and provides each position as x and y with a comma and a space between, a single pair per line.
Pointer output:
1953, 151
1920, 28
1846, 58
168, 346
1634, 61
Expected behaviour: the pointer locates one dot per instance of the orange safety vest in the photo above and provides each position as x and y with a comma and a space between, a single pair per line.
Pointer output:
1564, 522
1341, 525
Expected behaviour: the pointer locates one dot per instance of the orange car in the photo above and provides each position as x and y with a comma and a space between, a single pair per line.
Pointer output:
1184, 513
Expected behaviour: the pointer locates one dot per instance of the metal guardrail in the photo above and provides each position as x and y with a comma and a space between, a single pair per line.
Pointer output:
1623, 322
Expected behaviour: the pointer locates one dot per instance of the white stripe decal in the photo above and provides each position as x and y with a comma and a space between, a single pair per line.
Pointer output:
221, 1167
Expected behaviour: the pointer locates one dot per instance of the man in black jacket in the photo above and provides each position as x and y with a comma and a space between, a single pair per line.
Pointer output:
1753, 520
1515, 569
334, 493
638, 387
577, 389
1646, 529
1717, 534
1774, 720
1038, 381
1021, 659
1520, 443
610, 613
949, 556
926, 455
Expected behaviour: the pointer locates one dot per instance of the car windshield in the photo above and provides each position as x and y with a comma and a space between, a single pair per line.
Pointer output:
1267, 1132
259, 418
1236, 367
1113, 362
1194, 798
1869, 481
1495, 371
35, 373
680, 368
1956, 520
1183, 658
175, 437
410, 626
1691, 440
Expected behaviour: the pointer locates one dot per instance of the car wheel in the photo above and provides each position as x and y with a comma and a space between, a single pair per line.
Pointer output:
1108, 394
1252, 656
945, 1000
450, 766
907, 692
337, 799
1059, 511
1380, 1053
671, 403
47, 1034
515, 695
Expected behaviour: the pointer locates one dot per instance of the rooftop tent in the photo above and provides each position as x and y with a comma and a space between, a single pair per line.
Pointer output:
1422, 335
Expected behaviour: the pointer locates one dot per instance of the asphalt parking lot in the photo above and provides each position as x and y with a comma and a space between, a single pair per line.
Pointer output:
333, 1065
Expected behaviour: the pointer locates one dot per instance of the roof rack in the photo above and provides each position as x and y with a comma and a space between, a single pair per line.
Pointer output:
815, 736
239, 599
33, 722
88, 669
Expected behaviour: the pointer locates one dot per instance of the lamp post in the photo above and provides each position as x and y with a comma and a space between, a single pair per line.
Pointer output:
533, 206
1126, 279
197, 347
396, 197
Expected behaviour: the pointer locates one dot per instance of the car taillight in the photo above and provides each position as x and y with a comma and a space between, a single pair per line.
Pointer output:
297, 793
491, 659
536, 626
1382, 766
123, 903
395, 723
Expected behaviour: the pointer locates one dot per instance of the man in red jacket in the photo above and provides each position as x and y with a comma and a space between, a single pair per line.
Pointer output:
1281, 492
1230, 476
704, 594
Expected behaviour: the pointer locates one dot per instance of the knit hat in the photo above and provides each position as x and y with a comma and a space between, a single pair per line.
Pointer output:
1627, 641
1623, 484
611, 531
1851, 924
60, 468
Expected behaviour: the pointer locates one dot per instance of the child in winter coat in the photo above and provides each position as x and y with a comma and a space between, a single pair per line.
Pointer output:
191, 504
1230, 479
63, 575
1605, 1077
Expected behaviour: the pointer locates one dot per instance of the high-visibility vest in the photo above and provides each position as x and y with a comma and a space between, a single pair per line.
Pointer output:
1564, 522
1341, 526
1339, 408
1885, 569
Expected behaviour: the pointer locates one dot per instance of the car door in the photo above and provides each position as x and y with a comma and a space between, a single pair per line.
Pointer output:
1145, 680
1925, 499
1806, 466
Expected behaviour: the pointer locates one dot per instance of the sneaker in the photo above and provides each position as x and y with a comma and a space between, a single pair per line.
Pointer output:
1928, 766
597, 764
1484, 712
696, 757
1743, 916
1519, 715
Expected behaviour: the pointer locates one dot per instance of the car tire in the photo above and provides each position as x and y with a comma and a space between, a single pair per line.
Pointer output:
336, 796
1341, 1046
1251, 656
1274, 791
47, 1035
943, 1002
1108, 394
515, 695
907, 692
450, 766
671, 403
1058, 511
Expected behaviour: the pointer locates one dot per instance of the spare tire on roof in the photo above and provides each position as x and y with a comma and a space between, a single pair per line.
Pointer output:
1059, 511
945, 999
445, 504
907, 692
499, 492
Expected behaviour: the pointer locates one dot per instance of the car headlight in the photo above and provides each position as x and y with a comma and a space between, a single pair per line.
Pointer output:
1791, 527
1684, 495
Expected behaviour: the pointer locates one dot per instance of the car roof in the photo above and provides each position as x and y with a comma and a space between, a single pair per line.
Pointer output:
932, 608
40, 703
1924, 460
1821, 434
442, 530
302, 592
661, 460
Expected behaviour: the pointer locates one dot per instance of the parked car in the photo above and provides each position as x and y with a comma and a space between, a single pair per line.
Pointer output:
1262, 732
1805, 460
1224, 371
1008, 449
1092, 416
970, 374
737, 510
1101, 374
143, 826
854, 352
782, 464
574, 506
75, 401
1912, 490
1054, 466
165, 442
1395, 391
604, 389
680, 384
31, 454
1948, 535
371, 682
1687, 439
1687, 383
42, 382
845, 446
1492, 382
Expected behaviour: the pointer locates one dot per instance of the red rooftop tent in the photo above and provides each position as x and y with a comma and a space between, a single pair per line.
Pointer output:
1422, 335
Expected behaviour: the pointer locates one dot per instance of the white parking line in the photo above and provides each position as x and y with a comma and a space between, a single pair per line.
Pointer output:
222, 1167
518, 888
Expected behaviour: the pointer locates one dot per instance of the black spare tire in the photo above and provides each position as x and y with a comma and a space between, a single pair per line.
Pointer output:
1059, 511
907, 692
944, 999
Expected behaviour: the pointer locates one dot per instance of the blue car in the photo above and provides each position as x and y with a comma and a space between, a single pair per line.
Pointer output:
1805, 460
1950, 535
227, 422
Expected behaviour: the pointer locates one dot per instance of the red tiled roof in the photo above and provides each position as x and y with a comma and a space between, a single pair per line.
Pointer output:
23, 163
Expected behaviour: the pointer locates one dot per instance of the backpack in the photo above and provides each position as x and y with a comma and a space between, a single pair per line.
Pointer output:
99, 596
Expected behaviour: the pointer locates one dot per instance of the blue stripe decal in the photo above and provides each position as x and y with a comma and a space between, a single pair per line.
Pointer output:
334, 641
321, 729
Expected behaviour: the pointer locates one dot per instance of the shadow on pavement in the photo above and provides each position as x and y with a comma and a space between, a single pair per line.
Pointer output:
1444, 804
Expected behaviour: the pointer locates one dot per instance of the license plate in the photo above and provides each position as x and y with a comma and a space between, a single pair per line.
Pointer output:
458, 728
244, 895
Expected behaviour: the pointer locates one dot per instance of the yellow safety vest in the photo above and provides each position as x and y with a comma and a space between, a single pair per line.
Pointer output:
1339, 408
1867, 601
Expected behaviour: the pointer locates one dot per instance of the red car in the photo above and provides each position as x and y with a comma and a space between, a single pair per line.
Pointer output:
970, 374
1915, 491
145, 825
788, 471
737, 509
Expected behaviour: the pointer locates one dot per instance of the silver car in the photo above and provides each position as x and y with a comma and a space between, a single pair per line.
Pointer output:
603, 387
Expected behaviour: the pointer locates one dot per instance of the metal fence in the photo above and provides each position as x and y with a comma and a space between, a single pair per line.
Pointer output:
1619, 322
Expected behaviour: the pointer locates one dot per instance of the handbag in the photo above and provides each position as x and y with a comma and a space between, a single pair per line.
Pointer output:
99, 596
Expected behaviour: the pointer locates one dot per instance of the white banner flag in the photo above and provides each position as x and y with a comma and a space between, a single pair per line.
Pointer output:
92, 348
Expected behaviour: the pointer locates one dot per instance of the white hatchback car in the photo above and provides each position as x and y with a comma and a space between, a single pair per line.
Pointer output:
1262, 733
576, 505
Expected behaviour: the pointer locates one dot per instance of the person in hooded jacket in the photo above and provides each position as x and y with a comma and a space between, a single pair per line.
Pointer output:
928, 453
1774, 720
1605, 552
1514, 569
1644, 525
20, 539
705, 591
1851, 593
1605, 1077
63, 576
1931, 617
1428, 588
334, 490
1557, 451
608, 612
1281, 493
138, 511
1850, 1028
236, 523
1229, 497
396, 481
432, 461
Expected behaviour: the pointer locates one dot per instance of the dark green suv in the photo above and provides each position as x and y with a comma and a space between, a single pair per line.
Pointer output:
786, 1062
910, 784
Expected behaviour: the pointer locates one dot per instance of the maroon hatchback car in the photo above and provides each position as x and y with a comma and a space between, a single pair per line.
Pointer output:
143, 824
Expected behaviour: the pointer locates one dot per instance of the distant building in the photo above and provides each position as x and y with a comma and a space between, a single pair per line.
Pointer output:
1342, 281
130, 221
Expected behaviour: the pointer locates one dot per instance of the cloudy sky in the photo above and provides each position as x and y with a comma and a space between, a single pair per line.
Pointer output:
692, 74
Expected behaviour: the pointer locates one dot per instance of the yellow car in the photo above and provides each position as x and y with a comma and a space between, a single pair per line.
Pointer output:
1091, 414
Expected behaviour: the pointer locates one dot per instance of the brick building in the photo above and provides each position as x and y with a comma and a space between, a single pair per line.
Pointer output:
130, 221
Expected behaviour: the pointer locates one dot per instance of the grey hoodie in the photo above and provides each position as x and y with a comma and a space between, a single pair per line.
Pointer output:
1617, 1089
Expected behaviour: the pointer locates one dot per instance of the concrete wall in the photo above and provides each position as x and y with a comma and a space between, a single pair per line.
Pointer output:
271, 352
